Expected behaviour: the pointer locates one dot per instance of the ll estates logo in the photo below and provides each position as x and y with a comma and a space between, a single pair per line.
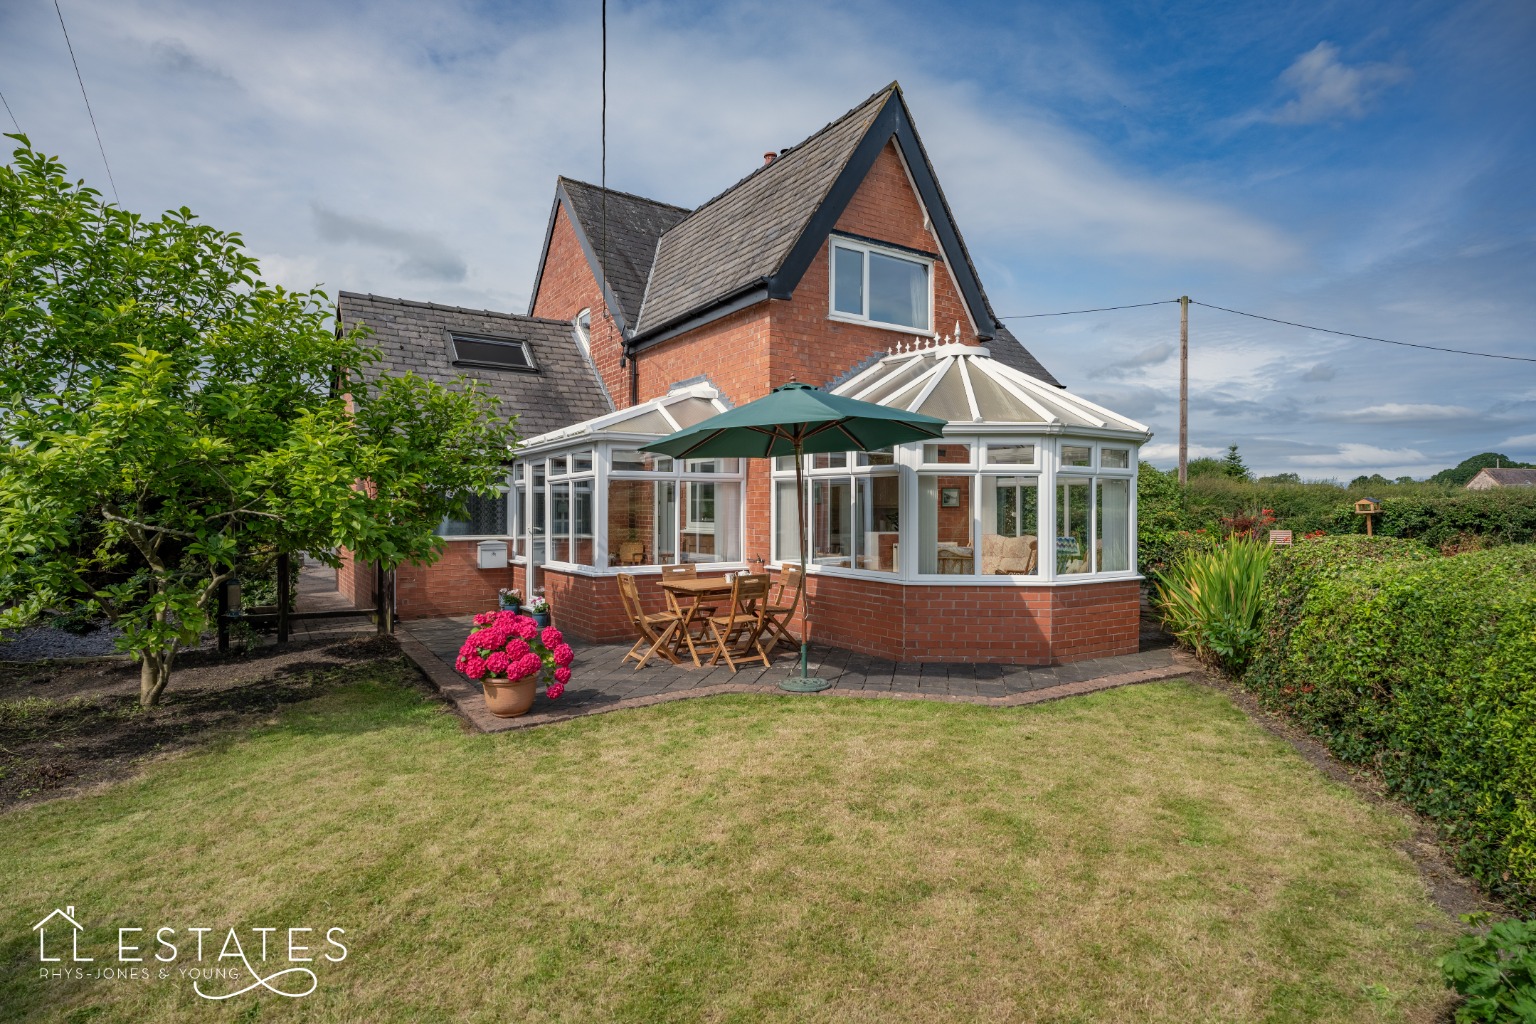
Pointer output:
270, 959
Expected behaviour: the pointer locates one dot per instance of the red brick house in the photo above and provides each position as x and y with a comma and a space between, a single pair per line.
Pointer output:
836, 262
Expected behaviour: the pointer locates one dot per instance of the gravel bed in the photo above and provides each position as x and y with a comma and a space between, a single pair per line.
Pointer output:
39, 643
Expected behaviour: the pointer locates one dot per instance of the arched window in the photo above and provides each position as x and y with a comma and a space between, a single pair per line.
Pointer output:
584, 330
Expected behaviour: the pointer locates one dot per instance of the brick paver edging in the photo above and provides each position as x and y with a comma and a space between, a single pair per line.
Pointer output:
465, 697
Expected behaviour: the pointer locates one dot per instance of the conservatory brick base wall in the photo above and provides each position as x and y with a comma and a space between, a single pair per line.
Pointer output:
994, 625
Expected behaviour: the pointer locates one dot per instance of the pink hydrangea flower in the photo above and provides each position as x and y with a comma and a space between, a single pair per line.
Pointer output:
564, 655
525, 627
474, 667
562, 676
554, 691
496, 663
518, 648
552, 637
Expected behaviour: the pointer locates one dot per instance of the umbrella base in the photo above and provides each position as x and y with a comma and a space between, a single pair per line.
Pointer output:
804, 684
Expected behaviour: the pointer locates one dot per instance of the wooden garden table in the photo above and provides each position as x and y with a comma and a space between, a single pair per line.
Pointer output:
695, 592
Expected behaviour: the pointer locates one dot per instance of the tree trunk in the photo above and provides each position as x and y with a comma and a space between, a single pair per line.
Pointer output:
154, 673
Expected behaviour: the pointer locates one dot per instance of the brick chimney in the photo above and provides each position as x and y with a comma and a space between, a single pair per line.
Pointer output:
769, 157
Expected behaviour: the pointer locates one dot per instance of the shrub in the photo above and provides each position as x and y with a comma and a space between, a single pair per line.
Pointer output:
1424, 667
1505, 516
1495, 970
1210, 599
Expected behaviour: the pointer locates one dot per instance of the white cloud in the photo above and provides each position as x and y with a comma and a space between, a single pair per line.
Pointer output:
1326, 89
1406, 412
1160, 452
1019, 180
1351, 459
447, 126
422, 255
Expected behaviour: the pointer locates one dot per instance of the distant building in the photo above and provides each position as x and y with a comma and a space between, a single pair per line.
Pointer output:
1488, 479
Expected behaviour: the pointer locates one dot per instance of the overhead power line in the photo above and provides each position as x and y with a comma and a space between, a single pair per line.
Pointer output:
1367, 337
1288, 323
57, 10
1101, 309
9, 112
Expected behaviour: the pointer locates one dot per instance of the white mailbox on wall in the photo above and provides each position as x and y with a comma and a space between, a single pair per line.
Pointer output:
493, 554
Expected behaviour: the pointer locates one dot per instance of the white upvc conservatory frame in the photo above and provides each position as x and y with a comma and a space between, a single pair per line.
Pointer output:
591, 436
1047, 440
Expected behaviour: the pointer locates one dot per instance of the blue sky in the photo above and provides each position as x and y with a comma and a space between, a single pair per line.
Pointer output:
1359, 166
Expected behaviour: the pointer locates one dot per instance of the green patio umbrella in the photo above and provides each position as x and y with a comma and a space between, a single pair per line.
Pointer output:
797, 419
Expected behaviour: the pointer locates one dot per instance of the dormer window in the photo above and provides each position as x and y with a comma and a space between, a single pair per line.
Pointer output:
493, 353
584, 330
881, 287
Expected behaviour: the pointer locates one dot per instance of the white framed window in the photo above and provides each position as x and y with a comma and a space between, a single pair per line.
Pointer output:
701, 509
852, 509
485, 516
584, 330
879, 286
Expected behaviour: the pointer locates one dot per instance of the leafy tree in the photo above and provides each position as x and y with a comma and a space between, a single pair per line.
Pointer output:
1373, 480
1205, 467
1459, 475
1232, 464
1281, 478
167, 417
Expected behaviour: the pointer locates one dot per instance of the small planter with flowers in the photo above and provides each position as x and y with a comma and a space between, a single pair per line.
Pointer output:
509, 655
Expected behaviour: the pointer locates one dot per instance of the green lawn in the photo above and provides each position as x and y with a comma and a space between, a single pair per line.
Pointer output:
1145, 854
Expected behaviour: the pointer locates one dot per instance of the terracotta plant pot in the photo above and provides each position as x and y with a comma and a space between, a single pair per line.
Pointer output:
509, 699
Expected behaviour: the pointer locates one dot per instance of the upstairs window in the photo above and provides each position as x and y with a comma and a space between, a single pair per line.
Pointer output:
584, 330
493, 353
879, 286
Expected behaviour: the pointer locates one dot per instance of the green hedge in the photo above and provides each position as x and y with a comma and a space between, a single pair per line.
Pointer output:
1424, 667
1503, 516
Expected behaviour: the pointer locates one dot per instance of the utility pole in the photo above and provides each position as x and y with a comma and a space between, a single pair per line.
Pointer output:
1183, 389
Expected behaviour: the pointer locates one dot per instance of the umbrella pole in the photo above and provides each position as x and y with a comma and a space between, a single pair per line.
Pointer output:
804, 682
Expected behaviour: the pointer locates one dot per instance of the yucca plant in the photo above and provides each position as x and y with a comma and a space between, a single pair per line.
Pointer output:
1210, 600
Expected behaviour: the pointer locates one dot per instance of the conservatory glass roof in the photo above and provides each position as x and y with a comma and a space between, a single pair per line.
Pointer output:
965, 385
682, 407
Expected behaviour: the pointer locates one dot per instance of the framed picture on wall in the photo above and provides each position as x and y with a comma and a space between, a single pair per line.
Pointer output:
949, 497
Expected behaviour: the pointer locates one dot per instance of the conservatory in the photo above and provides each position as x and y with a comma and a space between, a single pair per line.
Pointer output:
1030, 494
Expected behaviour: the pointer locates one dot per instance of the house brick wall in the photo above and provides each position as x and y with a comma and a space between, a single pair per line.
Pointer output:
354, 580
566, 287
453, 585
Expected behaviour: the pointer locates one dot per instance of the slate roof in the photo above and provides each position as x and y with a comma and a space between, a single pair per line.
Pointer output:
1506, 477
1010, 351
634, 224
414, 336
743, 235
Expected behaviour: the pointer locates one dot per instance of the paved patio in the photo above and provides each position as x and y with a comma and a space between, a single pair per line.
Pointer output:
601, 683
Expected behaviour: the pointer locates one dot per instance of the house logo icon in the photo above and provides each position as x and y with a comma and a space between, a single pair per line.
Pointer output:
68, 914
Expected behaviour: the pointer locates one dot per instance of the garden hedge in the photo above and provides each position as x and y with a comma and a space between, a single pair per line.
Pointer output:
1502, 516
1425, 668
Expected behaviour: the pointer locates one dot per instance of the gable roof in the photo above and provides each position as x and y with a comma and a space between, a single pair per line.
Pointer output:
1506, 477
741, 238
618, 236
757, 238
415, 337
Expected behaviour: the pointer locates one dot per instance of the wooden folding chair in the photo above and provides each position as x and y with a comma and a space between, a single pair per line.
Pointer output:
686, 571
656, 628
782, 608
749, 610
